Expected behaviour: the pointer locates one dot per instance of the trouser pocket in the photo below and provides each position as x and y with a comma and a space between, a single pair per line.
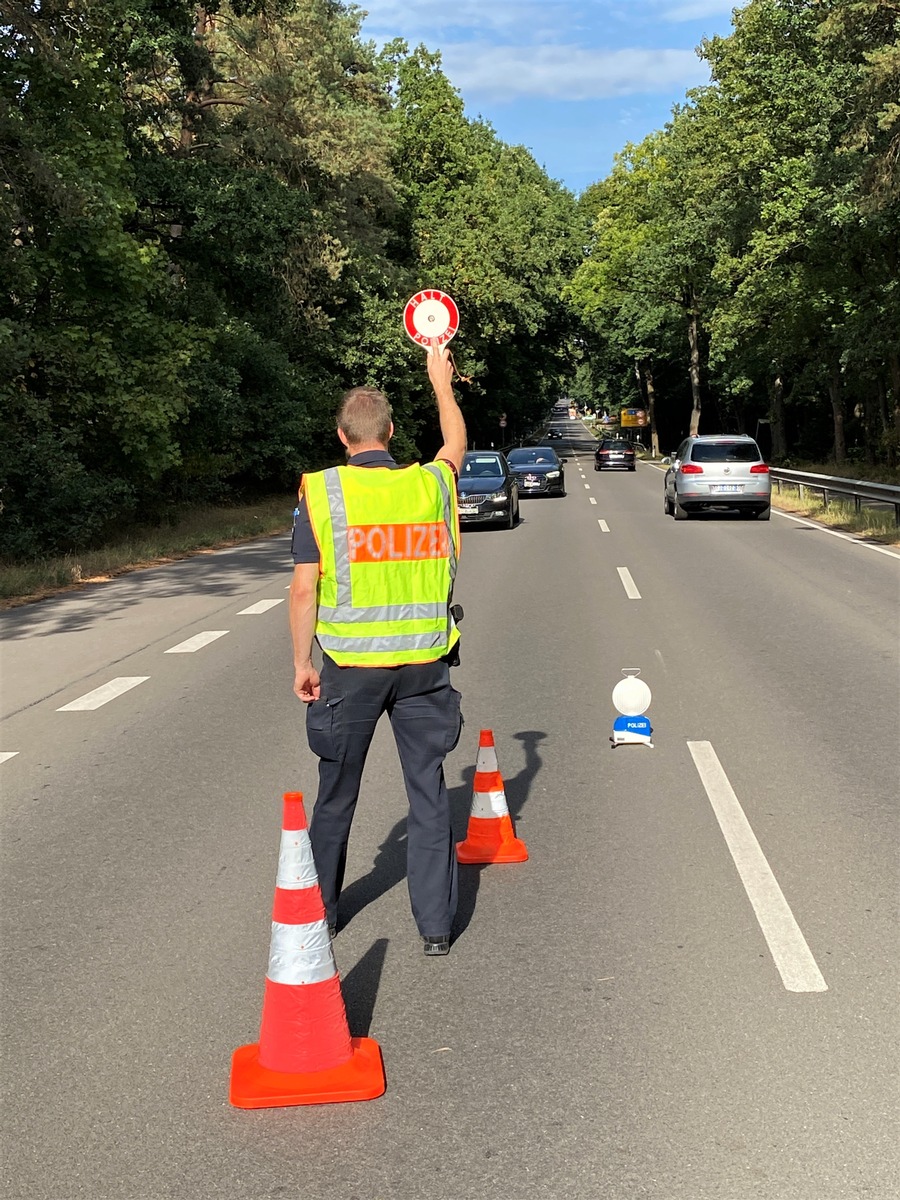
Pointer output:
455, 720
325, 729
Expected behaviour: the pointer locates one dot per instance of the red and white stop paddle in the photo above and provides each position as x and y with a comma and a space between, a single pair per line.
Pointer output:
431, 316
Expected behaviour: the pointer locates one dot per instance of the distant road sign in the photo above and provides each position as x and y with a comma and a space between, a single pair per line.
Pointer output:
431, 316
632, 418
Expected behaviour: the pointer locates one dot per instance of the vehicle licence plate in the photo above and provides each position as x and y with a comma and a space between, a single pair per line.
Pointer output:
468, 508
532, 481
722, 488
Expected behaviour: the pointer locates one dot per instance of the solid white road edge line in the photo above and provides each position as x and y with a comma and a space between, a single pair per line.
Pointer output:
846, 537
604, 528
261, 606
5, 755
838, 533
628, 584
793, 958
197, 642
102, 695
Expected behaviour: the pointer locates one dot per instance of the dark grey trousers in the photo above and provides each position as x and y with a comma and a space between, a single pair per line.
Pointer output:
423, 709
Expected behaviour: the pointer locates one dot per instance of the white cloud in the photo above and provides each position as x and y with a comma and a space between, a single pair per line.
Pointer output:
562, 72
696, 10
406, 18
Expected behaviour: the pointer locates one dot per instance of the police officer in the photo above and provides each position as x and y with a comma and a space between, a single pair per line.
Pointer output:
375, 549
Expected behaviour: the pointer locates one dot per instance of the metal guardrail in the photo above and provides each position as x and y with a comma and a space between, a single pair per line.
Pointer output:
828, 485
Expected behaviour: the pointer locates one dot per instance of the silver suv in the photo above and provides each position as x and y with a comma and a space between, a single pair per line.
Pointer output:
718, 471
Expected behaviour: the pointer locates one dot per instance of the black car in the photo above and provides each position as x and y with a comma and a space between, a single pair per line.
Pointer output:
538, 470
614, 452
488, 491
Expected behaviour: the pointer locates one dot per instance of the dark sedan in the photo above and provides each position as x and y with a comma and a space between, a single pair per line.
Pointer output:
538, 470
614, 452
488, 491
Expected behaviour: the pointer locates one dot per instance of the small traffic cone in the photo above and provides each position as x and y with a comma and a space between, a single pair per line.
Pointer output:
490, 837
305, 1054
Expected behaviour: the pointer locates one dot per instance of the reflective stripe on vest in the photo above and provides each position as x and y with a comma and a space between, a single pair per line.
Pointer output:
435, 470
377, 558
386, 612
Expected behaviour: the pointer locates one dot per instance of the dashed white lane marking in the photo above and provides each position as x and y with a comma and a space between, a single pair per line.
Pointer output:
604, 528
793, 958
587, 487
628, 584
5, 755
197, 642
102, 695
261, 606
593, 499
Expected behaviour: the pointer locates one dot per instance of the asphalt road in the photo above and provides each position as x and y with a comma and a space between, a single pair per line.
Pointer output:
689, 991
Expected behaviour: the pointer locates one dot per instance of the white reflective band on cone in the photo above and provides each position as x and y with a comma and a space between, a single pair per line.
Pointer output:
487, 759
489, 804
296, 868
300, 953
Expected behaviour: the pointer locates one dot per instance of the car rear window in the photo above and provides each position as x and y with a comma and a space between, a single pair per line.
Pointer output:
609, 444
540, 454
481, 465
715, 452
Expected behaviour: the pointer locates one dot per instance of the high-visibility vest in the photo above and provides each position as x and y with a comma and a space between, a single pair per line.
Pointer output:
388, 548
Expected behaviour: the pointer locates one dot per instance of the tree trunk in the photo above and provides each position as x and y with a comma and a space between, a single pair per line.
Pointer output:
199, 90
651, 405
894, 441
870, 421
777, 422
639, 377
837, 412
694, 342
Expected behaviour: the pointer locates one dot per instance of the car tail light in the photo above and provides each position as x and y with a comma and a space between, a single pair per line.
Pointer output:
759, 469
691, 469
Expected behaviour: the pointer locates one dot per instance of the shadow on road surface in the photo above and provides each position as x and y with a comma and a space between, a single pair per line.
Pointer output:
360, 987
389, 867
517, 788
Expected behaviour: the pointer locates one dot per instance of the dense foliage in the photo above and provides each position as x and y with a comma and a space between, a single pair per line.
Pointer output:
744, 263
215, 215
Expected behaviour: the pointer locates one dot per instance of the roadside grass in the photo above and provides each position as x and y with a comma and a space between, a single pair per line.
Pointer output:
873, 525
198, 531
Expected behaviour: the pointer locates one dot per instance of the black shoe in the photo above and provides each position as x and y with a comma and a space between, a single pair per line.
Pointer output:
437, 945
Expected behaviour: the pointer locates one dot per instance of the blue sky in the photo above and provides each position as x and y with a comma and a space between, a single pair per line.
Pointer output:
573, 80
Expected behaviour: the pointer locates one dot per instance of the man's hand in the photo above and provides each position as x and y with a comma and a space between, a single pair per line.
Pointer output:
302, 614
306, 682
440, 369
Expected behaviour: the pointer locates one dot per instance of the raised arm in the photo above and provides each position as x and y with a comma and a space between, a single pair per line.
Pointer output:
453, 427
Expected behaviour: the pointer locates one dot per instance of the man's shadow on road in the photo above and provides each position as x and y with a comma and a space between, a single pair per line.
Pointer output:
389, 867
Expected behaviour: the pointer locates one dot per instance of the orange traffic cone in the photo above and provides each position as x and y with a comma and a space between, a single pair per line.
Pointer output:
490, 837
305, 1054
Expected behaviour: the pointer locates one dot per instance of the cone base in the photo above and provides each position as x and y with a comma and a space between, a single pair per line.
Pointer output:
470, 852
253, 1086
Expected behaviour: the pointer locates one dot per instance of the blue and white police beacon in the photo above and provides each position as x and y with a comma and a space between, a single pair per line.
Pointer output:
631, 697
